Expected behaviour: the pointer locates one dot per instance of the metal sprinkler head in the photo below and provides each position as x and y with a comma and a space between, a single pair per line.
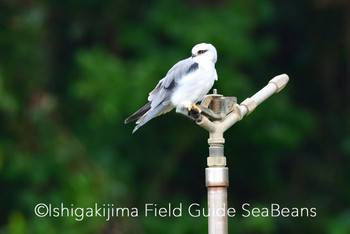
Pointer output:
215, 107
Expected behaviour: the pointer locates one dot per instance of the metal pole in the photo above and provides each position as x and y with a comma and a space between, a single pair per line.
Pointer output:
216, 179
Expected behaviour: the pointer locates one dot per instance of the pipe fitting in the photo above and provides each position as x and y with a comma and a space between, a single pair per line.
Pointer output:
216, 177
280, 81
250, 104
216, 161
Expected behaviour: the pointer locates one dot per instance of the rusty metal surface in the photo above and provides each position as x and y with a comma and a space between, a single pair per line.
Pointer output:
217, 205
216, 176
216, 106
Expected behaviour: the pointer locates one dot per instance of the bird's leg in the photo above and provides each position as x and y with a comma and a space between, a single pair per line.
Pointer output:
194, 111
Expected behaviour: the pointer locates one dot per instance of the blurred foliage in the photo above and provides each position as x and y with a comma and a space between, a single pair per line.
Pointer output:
72, 71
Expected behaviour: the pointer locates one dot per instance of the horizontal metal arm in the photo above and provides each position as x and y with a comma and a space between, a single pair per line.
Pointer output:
275, 85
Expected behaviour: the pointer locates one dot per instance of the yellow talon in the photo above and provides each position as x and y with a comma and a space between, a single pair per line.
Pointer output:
193, 106
197, 108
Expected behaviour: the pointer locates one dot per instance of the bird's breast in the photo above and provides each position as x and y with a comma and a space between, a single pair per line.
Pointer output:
193, 87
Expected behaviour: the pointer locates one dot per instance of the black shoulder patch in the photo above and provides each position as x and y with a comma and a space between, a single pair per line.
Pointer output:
192, 68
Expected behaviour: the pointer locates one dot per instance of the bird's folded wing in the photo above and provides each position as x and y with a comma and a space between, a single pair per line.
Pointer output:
165, 86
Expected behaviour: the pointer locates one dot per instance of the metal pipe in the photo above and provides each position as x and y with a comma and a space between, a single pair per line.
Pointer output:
216, 180
275, 85
217, 183
264, 93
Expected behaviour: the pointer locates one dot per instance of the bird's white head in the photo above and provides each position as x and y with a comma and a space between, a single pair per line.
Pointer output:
204, 51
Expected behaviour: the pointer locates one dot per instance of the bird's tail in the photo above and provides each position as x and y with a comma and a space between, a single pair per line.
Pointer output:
138, 114
150, 114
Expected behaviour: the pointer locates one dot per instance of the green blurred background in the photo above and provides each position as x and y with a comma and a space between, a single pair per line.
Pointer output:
72, 71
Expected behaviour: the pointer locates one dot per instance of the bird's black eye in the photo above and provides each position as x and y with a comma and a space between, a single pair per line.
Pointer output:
202, 51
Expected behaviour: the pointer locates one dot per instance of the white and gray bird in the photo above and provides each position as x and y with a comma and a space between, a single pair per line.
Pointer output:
185, 84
